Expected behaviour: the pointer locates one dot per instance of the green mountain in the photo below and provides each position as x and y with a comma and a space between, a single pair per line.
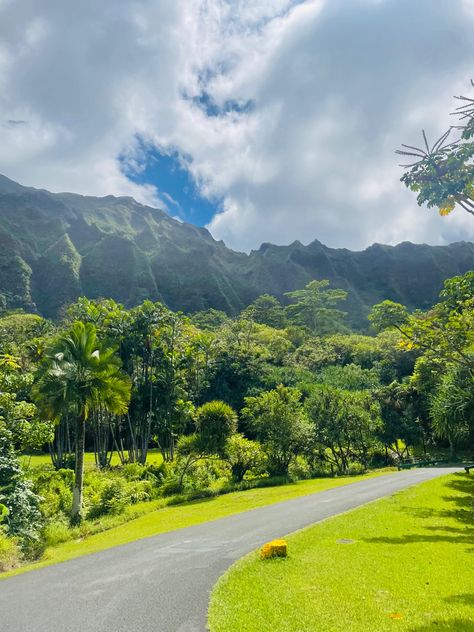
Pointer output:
55, 247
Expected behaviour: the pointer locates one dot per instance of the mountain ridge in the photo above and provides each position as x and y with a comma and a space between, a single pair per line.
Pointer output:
55, 247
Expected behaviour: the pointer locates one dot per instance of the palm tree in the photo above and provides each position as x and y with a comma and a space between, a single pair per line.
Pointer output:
77, 376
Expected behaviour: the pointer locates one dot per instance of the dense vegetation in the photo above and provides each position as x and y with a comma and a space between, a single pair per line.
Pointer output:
55, 248
276, 393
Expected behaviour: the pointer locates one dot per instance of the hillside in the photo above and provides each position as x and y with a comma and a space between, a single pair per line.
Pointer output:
56, 247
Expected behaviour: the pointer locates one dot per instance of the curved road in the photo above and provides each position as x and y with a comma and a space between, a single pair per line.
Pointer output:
162, 584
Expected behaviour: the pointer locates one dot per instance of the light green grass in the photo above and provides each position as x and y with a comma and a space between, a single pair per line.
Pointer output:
158, 518
33, 461
410, 567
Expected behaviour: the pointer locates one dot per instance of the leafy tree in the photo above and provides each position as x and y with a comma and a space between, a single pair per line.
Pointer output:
215, 422
279, 421
445, 332
18, 417
401, 413
232, 375
266, 310
443, 173
314, 307
350, 377
388, 314
344, 425
209, 319
452, 406
79, 375
243, 455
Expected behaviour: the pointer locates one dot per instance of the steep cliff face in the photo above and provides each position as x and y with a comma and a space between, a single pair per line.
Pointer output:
56, 247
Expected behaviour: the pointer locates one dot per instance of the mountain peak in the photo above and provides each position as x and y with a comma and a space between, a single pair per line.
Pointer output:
57, 247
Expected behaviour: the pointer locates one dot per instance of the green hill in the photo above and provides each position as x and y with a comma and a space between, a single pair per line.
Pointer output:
56, 247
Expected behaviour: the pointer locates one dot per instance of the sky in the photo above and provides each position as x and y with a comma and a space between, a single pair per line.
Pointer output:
264, 120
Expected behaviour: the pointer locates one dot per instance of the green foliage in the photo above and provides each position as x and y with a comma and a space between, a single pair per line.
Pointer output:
350, 377
344, 425
244, 456
314, 307
23, 519
401, 413
215, 423
19, 421
278, 420
452, 406
266, 310
443, 174
310, 403
10, 555
388, 315
79, 375
209, 319
233, 374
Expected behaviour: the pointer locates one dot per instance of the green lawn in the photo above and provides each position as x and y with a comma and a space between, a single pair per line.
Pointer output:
36, 460
410, 566
158, 518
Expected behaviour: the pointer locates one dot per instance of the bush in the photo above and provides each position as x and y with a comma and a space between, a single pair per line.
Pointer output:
244, 456
24, 519
113, 499
215, 423
112, 493
299, 469
57, 531
355, 468
55, 490
9, 553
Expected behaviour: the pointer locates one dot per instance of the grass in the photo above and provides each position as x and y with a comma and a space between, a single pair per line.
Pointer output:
33, 461
157, 518
409, 565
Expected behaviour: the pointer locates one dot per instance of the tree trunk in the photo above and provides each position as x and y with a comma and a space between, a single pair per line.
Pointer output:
76, 512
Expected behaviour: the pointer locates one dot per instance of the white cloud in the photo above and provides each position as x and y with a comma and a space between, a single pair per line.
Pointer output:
333, 87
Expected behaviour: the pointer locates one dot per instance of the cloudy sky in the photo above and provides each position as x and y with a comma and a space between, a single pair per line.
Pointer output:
266, 120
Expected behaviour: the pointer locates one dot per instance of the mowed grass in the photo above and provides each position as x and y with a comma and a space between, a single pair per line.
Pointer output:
410, 567
159, 518
33, 461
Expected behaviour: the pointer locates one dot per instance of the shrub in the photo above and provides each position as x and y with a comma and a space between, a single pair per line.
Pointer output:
55, 490
355, 468
24, 519
57, 531
9, 553
215, 423
113, 499
243, 456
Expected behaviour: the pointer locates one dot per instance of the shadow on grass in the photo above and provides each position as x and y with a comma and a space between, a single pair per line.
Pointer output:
466, 599
461, 510
455, 625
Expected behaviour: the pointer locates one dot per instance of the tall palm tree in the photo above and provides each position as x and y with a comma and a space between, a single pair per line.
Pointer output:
79, 374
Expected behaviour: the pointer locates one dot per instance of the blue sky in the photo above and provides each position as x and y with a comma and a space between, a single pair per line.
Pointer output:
175, 185
265, 120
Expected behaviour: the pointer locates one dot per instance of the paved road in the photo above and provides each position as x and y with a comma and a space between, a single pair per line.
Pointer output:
162, 584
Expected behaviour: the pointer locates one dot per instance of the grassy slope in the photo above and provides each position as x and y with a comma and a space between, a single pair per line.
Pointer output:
157, 518
411, 567
36, 460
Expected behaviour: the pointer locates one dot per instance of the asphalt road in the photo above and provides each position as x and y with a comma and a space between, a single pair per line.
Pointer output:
162, 584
